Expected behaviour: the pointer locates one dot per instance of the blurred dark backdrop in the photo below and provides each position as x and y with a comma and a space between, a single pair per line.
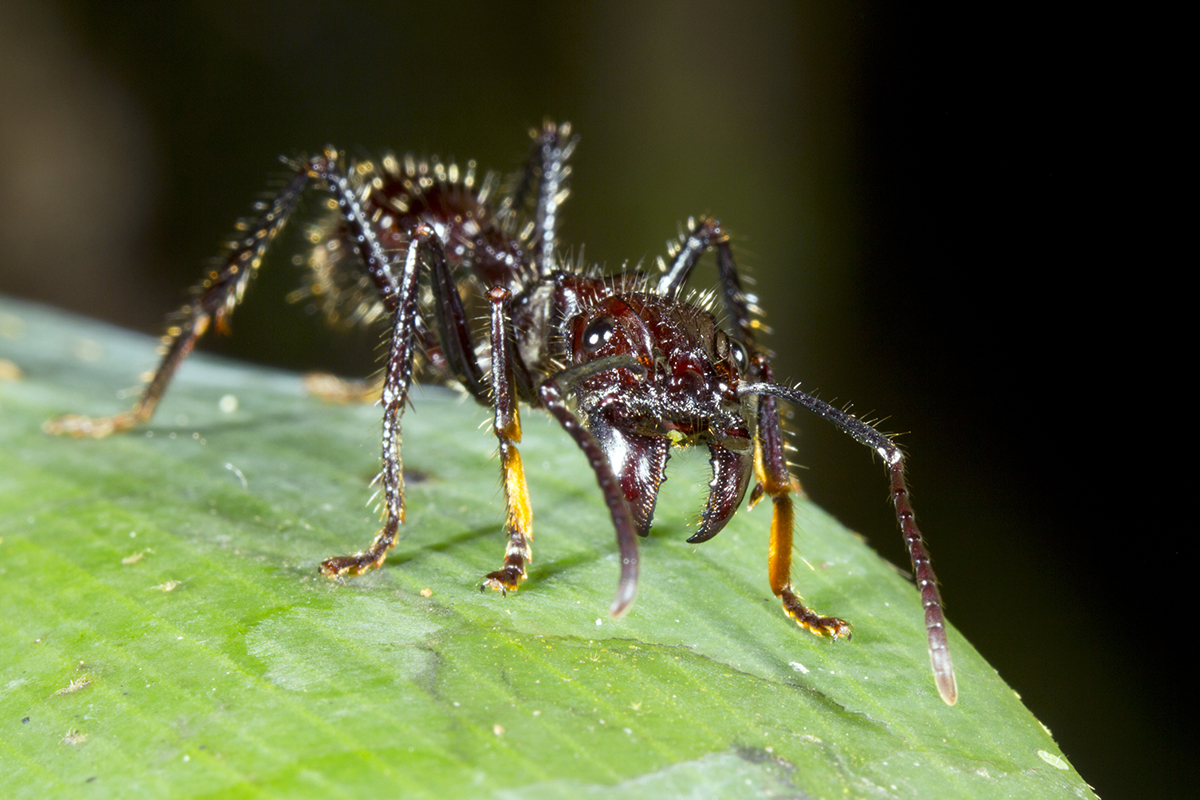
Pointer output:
910, 188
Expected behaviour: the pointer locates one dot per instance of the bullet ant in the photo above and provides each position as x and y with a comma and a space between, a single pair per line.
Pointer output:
625, 365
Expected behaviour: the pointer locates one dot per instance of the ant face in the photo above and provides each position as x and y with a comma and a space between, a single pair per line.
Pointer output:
692, 370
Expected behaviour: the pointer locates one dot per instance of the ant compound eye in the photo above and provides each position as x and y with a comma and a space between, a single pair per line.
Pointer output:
728, 348
597, 333
740, 357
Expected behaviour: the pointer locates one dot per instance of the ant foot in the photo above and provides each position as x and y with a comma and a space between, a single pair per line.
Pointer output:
353, 565
504, 580
821, 626
333, 389
82, 427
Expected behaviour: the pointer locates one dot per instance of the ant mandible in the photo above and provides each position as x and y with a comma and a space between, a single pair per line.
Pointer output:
625, 365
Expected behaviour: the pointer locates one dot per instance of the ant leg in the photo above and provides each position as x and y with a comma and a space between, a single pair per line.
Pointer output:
361, 234
396, 382
333, 389
893, 458
399, 294
454, 343
507, 427
213, 301
770, 462
771, 465
455, 361
552, 395
547, 164
702, 236
774, 477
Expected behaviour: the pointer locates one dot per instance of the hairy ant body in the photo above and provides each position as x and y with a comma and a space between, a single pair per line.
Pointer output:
625, 365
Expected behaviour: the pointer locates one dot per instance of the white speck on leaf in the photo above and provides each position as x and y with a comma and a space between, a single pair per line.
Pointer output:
1053, 760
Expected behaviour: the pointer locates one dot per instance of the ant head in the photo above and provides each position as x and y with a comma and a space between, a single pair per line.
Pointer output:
691, 367
685, 392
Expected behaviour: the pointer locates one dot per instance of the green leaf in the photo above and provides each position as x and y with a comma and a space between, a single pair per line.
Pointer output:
255, 677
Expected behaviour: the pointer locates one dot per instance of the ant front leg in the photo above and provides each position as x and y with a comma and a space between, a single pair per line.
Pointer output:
507, 427
709, 234
213, 301
893, 458
770, 462
771, 465
775, 479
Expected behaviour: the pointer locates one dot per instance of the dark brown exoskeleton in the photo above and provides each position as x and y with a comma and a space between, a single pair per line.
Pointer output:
626, 366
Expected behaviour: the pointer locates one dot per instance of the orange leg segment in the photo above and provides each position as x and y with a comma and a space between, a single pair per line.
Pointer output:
507, 427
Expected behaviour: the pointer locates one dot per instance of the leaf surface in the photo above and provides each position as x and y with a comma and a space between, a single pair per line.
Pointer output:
164, 631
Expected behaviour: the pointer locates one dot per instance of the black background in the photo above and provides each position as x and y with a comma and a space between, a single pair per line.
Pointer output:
928, 199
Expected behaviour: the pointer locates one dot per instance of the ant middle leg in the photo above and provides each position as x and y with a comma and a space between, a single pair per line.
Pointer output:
396, 382
547, 167
331, 388
399, 295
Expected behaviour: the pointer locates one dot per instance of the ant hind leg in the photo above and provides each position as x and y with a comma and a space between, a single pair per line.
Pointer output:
213, 301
